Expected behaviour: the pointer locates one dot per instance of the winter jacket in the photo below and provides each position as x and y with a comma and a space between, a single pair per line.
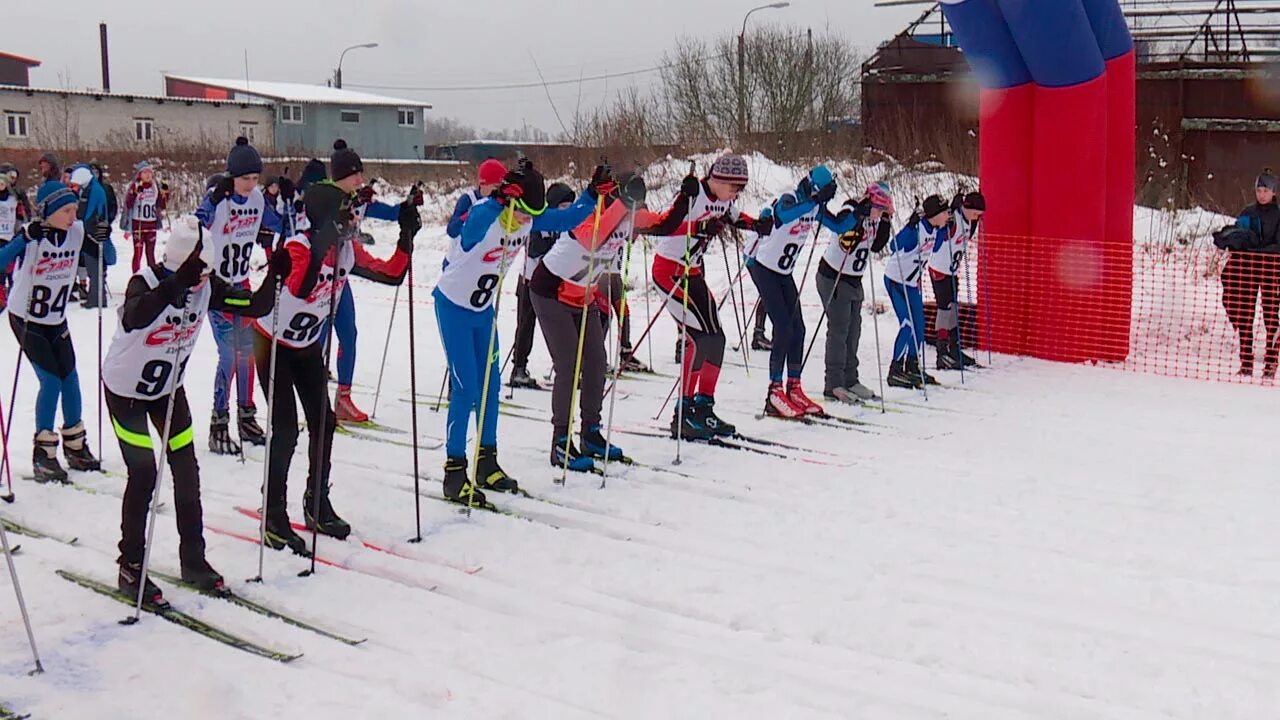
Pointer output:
1264, 222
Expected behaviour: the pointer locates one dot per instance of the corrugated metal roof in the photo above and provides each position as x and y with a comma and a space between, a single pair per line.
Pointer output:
126, 96
300, 92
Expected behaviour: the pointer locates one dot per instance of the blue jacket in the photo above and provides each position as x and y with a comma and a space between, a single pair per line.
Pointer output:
789, 207
454, 228
486, 212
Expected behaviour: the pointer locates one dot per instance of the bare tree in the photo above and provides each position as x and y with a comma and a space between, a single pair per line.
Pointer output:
793, 81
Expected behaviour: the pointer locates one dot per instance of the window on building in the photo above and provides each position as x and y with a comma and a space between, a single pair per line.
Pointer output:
291, 113
143, 129
350, 116
248, 129
17, 124
408, 117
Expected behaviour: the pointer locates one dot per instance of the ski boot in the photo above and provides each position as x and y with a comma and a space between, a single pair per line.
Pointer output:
44, 459
328, 522
687, 422
250, 431
520, 378
841, 395
797, 396
346, 409
968, 361
75, 447
1269, 362
778, 403
706, 406
203, 576
594, 443
761, 342
913, 367
630, 363
490, 475
577, 462
280, 534
220, 442
458, 487
862, 392
1269, 371
949, 355
129, 579
899, 377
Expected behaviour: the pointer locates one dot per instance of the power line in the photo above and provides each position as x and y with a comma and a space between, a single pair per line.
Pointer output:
520, 86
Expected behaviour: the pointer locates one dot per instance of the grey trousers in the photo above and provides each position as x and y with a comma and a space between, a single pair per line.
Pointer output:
560, 325
844, 328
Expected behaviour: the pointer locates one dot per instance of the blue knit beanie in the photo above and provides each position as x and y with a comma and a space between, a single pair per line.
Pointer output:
52, 197
243, 159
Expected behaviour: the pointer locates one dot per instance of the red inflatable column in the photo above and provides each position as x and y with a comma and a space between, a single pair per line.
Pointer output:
1005, 156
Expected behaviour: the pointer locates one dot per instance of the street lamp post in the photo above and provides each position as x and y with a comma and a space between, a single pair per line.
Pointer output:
337, 74
742, 68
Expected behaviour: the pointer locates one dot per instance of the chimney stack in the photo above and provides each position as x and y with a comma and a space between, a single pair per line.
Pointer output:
106, 66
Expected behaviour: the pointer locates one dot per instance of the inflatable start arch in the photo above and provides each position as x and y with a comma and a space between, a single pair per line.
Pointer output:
1056, 149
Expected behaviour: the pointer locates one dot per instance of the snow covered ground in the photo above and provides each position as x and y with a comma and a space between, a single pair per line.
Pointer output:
1048, 541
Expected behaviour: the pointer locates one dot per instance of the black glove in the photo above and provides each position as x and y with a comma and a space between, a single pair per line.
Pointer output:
825, 194
763, 225
602, 181
634, 192
189, 272
164, 187
524, 165
299, 207
281, 264
286, 189
101, 232
690, 186
410, 224
708, 228
34, 230
223, 190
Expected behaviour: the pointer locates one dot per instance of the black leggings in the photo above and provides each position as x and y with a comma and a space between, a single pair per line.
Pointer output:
702, 321
780, 299
303, 371
129, 417
1244, 277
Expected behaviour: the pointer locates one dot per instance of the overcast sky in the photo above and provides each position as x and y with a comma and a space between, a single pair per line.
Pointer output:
423, 43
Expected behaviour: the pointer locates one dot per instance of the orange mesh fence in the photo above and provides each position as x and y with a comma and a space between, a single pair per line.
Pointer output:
1191, 310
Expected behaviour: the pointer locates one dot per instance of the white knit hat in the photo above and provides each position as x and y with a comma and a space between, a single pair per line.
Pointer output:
184, 234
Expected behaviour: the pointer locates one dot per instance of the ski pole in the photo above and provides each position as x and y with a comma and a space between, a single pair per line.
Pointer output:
653, 319
742, 339
955, 300
684, 329
318, 473
742, 293
386, 346
413, 405
271, 403
830, 299
617, 370
22, 603
875, 326
648, 310
444, 380
17, 370
8, 497
670, 394
488, 370
582, 337
100, 300
910, 320
165, 439
734, 298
